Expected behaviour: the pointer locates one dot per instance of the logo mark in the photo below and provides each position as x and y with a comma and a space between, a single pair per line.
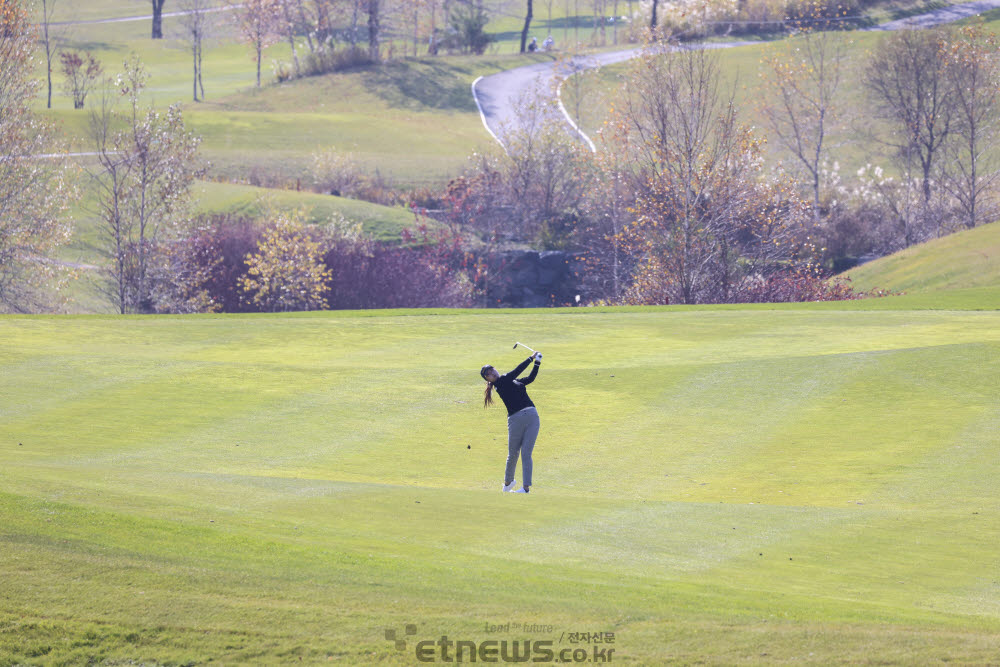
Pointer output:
390, 635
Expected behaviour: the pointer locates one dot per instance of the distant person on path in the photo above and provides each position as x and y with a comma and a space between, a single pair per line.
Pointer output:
522, 418
548, 43
533, 46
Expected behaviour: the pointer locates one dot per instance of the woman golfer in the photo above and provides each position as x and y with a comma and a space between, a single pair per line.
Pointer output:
522, 418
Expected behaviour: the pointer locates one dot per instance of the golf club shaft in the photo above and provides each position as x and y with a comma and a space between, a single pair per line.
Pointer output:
522, 345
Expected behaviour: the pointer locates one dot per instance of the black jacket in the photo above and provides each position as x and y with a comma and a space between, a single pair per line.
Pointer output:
512, 390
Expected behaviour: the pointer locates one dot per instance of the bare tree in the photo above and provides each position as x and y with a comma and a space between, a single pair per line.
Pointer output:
113, 183
356, 7
157, 18
972, 60
616, 19
545, 172
535, 182
48, 42
314, 19
33, 191
289, 24
309, 21
600, 23
576, 86
906, 217
196, 25
257, 21
433, 40
143, 182
601, 236
373, 7
707, 226
801, 95
527, 25
908, 83
80, 73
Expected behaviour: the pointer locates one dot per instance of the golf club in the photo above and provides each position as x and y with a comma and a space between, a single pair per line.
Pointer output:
522, 345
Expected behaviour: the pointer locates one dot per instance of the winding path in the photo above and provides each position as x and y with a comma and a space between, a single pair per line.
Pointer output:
129, 19
498, 96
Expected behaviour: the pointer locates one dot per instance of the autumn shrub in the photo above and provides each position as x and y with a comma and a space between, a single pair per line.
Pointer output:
200, 269
80, 72
430, 269
286, 271
327, 58
796, 284
226, 263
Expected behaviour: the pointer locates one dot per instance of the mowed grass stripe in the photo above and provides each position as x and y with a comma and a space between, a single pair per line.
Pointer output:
225, 599
262, 553
299, 483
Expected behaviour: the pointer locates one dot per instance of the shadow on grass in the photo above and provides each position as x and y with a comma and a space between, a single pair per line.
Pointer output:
417, 84
915, 10
95, 46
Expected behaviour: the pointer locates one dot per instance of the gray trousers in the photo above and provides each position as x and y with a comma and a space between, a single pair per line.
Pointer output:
522, 429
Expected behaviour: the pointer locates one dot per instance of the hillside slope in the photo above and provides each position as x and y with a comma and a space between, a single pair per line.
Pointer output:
967, 260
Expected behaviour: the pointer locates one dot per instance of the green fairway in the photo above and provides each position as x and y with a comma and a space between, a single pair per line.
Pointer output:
760, 484
714, 485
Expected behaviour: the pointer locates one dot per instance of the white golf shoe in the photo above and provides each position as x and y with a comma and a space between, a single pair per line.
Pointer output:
509, 487
521, 490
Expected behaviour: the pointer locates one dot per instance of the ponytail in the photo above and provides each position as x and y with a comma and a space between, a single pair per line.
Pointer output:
488, 395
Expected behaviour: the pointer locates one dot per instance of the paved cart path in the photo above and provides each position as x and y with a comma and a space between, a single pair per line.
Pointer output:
498, 96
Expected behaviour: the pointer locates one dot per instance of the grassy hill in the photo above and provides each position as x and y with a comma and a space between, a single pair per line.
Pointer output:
965, 260
721, 485
413, 121
88, 245
589, 98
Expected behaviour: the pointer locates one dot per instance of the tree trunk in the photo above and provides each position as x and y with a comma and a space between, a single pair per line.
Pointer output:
416, 30
48, 62
652, 21
46, 15
816, 211
158, 18
576, 22
290, 30
373, 30
615, 24
305, 22
201, 84
973, 175
566, 23
597, 25
354, 24
295, 54
194, 58
432, 46
527, 24
259, 49
926, 184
